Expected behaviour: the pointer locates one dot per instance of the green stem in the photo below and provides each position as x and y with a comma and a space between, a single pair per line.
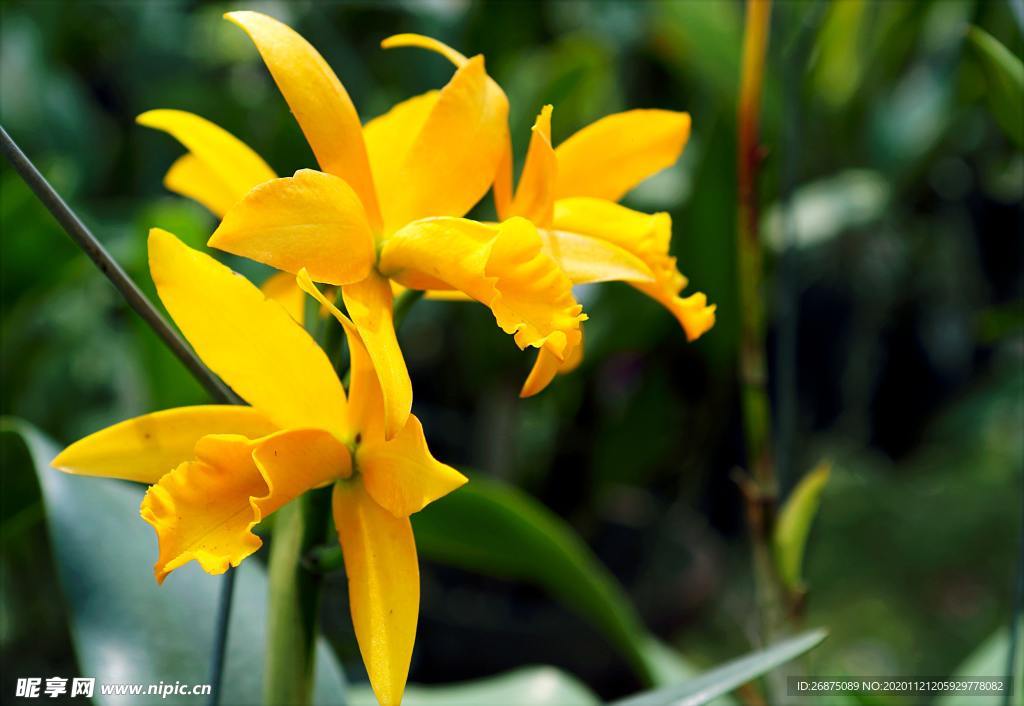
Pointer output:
294, 599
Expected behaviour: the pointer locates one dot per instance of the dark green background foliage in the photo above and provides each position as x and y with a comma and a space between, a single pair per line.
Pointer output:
894, 285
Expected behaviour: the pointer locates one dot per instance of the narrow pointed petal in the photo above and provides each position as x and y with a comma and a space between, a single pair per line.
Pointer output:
318, 100
409, 39
249, 341
312, 220
401, 475
205, 509
460, 135
281, 288
648, 237
365, 403
547, 366
143, 449
586, 260
383, 587
501, 266
219, 169
369, 303
535, 195
609, 157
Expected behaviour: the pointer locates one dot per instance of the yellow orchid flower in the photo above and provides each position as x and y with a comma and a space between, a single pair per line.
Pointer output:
570, 194
387, 205
217, 471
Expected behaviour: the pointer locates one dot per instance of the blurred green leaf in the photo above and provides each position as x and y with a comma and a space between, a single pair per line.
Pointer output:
794, 524
499, 531
840, 64
727, 677
126, 628
990, 660
530, 686
1005, 73
823, 209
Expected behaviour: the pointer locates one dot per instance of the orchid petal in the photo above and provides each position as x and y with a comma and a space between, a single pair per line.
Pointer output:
383, 587
318, 100
145, 448
609, 157
312, 220
401, 475
205, 509
218, 170
501, 266
249, 341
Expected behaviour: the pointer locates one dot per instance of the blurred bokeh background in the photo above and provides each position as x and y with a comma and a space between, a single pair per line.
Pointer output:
892, 223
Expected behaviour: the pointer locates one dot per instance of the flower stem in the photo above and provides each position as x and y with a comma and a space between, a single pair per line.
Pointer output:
759, 485
294, 599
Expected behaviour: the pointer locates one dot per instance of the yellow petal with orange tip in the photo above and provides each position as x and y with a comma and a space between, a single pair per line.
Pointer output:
205, 509
365, 402
281, 287
145, 448
501, 266
218, 170
249, 341
401, 475
460, 138
607, 158
313, 220
535, 195
383, 586
647, 236
318, 100
369, 303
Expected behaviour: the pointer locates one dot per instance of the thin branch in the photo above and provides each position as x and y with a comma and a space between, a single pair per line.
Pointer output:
220, 639
138, 301
92, 247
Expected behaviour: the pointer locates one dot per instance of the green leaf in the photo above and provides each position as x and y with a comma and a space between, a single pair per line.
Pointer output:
727, 677
530, 686
1005, 74
991, 659
794, 524
672, 668
126, 628
497, 530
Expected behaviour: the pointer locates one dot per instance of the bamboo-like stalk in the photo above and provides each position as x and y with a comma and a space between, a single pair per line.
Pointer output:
91, 246
759, 485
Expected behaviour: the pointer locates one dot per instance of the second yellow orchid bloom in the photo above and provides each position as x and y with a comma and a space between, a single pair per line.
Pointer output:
217, 471
570, 194
387, 205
